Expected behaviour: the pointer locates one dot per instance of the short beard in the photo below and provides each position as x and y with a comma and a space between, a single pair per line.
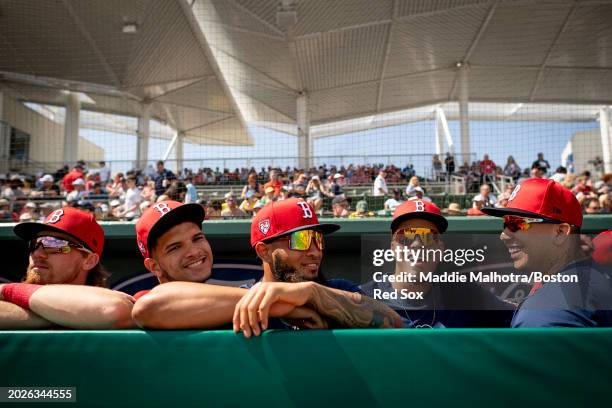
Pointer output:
32, 277
282, 272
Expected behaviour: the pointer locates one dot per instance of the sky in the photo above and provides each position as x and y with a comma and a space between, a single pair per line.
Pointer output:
410, 143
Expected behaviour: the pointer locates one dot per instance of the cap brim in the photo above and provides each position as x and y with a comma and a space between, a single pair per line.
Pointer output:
439, 220
324, 228
30, 230
500, 212
185, 213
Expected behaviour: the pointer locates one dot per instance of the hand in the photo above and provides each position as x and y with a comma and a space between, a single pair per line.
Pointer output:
252, 311
305, 318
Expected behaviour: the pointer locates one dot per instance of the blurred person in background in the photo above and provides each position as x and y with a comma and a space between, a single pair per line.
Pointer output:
232, 210
315, 193
392, 203
380, 184
486, 196
340, 207
191, 195
412, 185
512, 169
477, 205
252, 186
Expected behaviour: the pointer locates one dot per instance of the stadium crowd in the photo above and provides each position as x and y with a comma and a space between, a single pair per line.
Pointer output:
122, 196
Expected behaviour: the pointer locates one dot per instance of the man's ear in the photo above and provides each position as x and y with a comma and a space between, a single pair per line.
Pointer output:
153, 266
562, 232
91, 260
263, 252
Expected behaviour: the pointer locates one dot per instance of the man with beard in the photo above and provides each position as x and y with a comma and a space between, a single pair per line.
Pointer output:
418, 225
170, 238
288, 287
541, 231
64, 280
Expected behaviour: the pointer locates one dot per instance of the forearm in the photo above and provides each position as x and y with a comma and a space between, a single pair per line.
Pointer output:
13, 317
83, 307
186, 305
352, 309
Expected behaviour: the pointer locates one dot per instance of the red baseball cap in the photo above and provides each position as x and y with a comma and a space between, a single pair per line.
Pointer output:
602, 248
80, 225
419, 209
284, 217
160, 217
541, 198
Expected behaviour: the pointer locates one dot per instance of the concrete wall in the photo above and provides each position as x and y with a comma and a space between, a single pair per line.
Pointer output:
46, 136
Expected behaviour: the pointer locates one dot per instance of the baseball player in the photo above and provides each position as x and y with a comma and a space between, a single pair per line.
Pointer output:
541, 231
419, 224
64, 278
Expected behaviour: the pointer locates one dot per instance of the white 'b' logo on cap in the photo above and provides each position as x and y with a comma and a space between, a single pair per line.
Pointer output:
419, 206
55, 216
306, 209
163, 208
514, 192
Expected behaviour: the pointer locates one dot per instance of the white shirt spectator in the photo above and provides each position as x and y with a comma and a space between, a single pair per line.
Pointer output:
380, 184
489, 201
391, 204
104, 173
192, 194
132, 199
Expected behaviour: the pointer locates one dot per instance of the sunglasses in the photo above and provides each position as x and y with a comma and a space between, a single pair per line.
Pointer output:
515, 223
302, 240
407, 236
53, 245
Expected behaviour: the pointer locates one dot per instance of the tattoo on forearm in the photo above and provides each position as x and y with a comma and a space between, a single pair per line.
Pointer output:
352, 309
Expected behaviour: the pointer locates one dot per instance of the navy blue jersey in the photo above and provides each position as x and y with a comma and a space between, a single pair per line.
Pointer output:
587, 303
448, 305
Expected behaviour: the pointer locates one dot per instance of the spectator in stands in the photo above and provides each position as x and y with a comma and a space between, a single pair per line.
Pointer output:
162, 175
47, 187
380, 185
103, 172
248, 203
560, 174
336, 186
419, 194
74, 174
232, 210
13, 191
148, 191
592, 206
541, 164
340, 206
274, 182
258, 206
131, 206
29, 211
213, 210
502, 200
449, 163
536, 172
268, 196
315, 193
175, 192
487, 169
412, 185
191, 196
512, 169
436, 165
45, 210
6, 214
252, 186
606, 203
408, 171
486, 197
453, 209
361, 210
78, 193
298, 187
116, 189
477, 206
392, 203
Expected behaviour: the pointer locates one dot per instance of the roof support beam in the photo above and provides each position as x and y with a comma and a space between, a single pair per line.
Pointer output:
303, 123
142, 134
256, 17
71, 128
464, 117
538, 81
605, 124
473, 45
388, 44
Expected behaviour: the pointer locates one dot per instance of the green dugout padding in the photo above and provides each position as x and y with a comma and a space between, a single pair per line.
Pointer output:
341, 368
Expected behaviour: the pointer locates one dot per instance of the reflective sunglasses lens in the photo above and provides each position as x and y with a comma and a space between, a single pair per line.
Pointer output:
300, 240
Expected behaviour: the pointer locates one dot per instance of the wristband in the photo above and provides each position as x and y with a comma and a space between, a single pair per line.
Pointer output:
19, 293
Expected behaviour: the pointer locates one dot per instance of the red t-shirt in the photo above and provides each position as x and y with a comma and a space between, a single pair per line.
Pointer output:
69, 178
487, 166
474, 211
277, 185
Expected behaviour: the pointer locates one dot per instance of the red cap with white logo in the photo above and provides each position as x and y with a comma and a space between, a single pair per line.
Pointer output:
419, 209
284, 217
79, 224
541, 198
160, 217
